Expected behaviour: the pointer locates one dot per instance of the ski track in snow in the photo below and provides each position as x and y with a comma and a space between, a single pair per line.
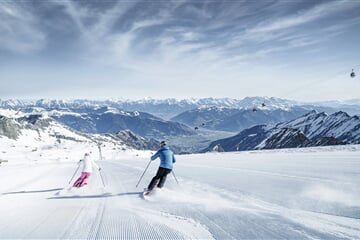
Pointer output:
199, 208
125, 221
274, 209
275, 174
20, 183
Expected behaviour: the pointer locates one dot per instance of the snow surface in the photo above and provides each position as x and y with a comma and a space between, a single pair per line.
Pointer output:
310, 193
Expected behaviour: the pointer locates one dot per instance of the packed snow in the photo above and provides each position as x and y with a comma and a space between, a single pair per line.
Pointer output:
310, 193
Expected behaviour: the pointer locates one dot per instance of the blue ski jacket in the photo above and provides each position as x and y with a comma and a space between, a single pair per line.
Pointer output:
166, 156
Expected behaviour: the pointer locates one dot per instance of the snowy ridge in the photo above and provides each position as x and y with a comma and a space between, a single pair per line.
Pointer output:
43, 137
339, 125
9, 127
311, 129
15, 103
235, 120
40, 128
111, 121
247, 102
269, 102
284, 138
204, 120
105, 119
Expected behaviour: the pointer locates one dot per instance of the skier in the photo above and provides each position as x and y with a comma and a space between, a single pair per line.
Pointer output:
167, 159
88, 165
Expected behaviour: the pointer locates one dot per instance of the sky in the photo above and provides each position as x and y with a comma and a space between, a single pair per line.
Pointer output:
300, 50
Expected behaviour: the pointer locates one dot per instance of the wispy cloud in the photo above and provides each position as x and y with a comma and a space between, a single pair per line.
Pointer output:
173, 40
303, 17
292, 30
103, 21
18, 29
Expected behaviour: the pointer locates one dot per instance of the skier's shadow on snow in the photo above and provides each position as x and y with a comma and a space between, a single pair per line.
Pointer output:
33, 191
103, 195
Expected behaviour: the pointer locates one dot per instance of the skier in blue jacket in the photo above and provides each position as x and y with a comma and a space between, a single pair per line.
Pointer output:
167, 159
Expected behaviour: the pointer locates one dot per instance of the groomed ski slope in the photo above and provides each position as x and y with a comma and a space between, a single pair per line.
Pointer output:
310, 193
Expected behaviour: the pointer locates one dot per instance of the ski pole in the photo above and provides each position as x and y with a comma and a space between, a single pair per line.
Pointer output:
102, 179
75, 173
143, 173
175, 176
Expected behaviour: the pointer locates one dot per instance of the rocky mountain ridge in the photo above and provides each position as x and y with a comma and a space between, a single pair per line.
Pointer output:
311, 129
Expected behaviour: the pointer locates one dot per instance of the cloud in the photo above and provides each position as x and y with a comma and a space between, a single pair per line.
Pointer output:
110, 35
102, 21
279, 29
303, 17
149, 42
19, 30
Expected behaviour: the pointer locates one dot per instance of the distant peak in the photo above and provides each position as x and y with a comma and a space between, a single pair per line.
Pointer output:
340, 113
312, 112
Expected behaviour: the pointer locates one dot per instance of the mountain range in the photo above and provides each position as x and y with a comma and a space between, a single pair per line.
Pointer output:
235, 120
168, 108
109, 120
311, 129
192, 124
39, 128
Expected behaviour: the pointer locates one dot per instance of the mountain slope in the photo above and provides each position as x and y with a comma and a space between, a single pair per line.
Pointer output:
140, 123
9, 127
46, 133
339, 125
168, 108
235, 120
311, 129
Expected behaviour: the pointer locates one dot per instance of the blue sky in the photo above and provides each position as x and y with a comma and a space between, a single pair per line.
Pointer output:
301, 50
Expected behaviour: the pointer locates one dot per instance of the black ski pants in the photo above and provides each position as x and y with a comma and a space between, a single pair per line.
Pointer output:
159, 177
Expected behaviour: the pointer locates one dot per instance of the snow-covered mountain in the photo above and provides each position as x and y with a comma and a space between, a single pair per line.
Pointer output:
9, 127
42, 133
308, 193
205, 117
340, 125
235, 120
198, 121
311, 129
106, 120
167, 108
135, 141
